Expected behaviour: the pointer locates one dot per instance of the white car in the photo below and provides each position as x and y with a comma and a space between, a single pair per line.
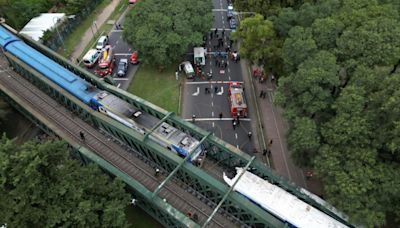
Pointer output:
102, 42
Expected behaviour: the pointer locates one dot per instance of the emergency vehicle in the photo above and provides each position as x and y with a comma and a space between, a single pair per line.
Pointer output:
237, 103
106, 62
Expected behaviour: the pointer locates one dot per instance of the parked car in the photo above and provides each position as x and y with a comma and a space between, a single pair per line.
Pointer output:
229, 12
91, 58
134, 58
187, 69
102, 42
232, 23
122, 67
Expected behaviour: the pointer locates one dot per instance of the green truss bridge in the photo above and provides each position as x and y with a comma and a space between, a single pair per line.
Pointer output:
180, 188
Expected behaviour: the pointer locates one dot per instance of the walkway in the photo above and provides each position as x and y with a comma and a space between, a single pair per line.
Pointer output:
274, 127
88, 35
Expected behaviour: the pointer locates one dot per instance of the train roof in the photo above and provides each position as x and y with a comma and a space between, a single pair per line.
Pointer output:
280, 202
48, 68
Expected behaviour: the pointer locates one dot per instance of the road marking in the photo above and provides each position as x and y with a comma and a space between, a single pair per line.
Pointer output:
215, 119
229, 78
197, 92
212, 104
212, 114
210, 82
221, 92
212, 95
121, 79
226, 29
229, 70
213, 124
120, 54
236, 135
119, 84
219, 10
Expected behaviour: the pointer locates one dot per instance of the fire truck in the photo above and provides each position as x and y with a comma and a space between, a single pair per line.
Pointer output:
236, 100
106, 62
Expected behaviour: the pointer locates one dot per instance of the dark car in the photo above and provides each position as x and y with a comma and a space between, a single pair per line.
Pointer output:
232, 23
122, 67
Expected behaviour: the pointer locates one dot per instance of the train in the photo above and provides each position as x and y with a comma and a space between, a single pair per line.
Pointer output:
287, 207
104, 102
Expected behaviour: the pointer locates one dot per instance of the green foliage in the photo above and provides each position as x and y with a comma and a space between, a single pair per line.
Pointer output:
162, 31
41, 187
341, 97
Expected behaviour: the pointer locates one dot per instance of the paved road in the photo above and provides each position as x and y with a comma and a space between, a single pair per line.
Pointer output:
207, 106
121, 50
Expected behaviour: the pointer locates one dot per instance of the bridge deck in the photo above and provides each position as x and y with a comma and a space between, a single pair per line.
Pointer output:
129, 163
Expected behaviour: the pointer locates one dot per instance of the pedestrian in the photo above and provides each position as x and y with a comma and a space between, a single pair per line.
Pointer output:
226, 64
133, 201
220, 115
177, 75
215, 89
77, 60
195, 217
265, 152
272, 78
215, 31
157, 172
270, 143
211, 35
223, 32
261, 93
193, 118
231, 42
222, 64
205, 90
309, 174
234, 124
264, 94
82, 135
216, 62
249, 134
189, 214
237, 118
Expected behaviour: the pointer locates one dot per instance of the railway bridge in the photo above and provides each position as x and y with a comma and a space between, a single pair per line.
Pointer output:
180, 188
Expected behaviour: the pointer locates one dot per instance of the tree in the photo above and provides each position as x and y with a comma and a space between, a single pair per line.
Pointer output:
41, 187
257, 38
162, 31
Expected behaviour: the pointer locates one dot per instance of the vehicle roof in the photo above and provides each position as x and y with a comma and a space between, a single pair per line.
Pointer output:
102, 38
52, 70
91, 54
123, 60
280, 202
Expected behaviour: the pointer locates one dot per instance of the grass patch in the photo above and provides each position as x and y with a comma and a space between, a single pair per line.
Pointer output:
159, 88
75, 37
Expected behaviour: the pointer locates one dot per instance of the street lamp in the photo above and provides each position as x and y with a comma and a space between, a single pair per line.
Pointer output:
56, 25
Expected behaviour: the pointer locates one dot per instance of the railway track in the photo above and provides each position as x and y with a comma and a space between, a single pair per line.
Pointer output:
176, 194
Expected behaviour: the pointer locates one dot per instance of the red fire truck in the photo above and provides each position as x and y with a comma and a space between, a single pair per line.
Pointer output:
236, 100
106, 62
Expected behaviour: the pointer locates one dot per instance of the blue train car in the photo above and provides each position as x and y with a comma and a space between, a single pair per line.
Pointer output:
47, 67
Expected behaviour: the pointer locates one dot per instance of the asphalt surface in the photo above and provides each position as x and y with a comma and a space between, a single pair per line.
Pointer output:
206, 107
121, 49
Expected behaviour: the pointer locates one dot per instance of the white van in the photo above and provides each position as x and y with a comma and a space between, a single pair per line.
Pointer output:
91, 58
102, 42
188, 69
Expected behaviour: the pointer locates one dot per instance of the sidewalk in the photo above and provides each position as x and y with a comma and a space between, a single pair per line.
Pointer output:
88, 35
273, 126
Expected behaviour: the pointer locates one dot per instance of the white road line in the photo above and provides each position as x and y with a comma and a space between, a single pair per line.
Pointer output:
212, 95
236, 135
215, 119
210, 82
212, 114
229, 78
121, 79
219, 10
120, 54
229, 70
119, 84
213, 124
197, 92
226, 29
212, 104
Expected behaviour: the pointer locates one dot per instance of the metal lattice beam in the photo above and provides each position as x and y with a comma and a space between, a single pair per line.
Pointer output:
227, 193
180, 165
157, 125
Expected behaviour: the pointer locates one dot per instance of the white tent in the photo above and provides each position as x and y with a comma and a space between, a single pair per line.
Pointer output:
38, 25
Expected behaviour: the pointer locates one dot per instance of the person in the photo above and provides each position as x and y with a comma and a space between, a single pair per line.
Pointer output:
264, 94
223, 32
309, 174
189, 214
177, 75
195, 217
270, 143
133, 201
249, 134
157, 172
261, 93
215, 31
234, 124
193, 118
237, 118
220, 115
265, 152
77, 60
82, 135
215, 89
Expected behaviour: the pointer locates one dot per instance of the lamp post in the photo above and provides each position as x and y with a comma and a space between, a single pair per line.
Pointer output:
58, 33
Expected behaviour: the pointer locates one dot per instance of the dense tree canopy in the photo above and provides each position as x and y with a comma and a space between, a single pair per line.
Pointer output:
163, 30
41, 187
339, 88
